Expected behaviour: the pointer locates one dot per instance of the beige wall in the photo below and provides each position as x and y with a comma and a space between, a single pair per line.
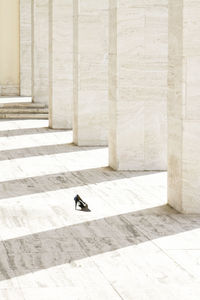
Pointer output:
9, 41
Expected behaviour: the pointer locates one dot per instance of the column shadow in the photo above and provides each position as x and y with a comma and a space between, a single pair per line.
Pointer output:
28, 131
58, 181
39, 251
43, 150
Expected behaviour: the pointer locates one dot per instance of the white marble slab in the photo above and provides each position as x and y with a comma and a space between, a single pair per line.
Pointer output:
130, 246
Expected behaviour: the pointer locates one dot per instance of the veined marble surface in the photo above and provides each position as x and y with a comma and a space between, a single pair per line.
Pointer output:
91, 104
61, 64
9, 90
184, 106
130, 246
40, 51
138, 67
26, 47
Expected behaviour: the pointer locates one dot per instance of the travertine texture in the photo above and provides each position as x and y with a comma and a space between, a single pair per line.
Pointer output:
184, 105
131, 246
41, 51
138, 58
26, 47
90, 72
61, 63
9, 90
9, 47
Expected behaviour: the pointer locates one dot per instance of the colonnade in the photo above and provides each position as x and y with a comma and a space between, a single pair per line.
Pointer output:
102, 66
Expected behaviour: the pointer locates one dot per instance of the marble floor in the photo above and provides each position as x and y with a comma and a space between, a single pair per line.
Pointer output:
130, 246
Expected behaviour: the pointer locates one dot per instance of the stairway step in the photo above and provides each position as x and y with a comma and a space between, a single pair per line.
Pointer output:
22, 105
25, 110
24, 116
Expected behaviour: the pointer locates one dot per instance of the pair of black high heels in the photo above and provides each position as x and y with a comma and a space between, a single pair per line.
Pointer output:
80, 204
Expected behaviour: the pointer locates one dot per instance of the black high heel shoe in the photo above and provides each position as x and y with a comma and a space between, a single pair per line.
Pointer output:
81, 204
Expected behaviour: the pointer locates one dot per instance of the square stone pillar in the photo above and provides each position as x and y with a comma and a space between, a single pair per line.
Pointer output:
61, 64
184, 106
26, 48
138, 59
90, 72
40, 71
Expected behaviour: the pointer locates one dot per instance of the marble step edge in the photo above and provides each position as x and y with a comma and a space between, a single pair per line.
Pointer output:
24, 116
27, 110
22, 105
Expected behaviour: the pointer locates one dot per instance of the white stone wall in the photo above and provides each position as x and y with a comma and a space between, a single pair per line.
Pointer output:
26, 47
138, 84
41, 51
9, 48
90, 72
184, 106
61, 63
9, 90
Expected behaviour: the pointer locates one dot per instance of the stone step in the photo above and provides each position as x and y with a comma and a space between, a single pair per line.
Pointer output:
22, 105
23, 110
24, 116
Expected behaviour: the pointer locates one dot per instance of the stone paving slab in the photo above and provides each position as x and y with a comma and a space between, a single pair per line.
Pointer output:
130, 246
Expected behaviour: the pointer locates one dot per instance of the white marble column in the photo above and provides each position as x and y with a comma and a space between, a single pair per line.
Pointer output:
40, 83
25, 47
184, 106
90, 72
61, 63
138, 58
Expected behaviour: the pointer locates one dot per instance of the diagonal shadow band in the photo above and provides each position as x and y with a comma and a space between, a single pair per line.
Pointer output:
58, 181
28, 131
42, 150
31, 253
